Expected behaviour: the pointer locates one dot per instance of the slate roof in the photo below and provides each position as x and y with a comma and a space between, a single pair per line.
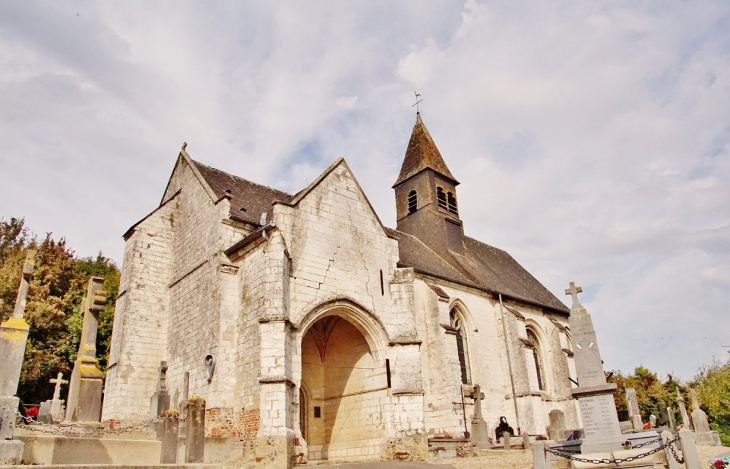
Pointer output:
254, 198
482, 266
421, 154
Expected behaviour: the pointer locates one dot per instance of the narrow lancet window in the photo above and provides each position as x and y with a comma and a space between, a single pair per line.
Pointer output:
536, 356
461, 346
452, 203
441, 195
412, 202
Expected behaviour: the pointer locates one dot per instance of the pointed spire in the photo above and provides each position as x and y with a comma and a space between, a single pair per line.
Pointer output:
421, 154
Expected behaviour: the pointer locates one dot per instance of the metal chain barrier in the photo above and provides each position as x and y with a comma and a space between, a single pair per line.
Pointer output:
669, 444
640, 445
674, 452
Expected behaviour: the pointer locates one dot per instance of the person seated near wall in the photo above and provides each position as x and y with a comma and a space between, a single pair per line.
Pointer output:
503, 427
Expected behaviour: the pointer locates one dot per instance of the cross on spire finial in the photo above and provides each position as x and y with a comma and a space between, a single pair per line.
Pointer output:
418, 95
573, 290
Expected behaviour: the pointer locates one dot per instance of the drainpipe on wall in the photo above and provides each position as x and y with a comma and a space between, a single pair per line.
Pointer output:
509, 362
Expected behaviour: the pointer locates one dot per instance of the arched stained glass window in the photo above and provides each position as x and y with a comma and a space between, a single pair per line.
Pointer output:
461, 345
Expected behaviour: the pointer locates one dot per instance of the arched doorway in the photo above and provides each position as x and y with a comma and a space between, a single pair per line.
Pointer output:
346, 385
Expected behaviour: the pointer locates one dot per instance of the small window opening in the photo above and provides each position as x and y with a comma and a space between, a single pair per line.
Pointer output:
382, 287
412, 202
441, 195
317, 412
452, 203
228, 191
243, 209
387, 371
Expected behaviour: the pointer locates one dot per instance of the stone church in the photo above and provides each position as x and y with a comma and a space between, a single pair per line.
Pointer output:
314, 331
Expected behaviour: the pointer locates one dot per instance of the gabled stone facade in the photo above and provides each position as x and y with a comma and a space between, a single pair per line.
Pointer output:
333, 336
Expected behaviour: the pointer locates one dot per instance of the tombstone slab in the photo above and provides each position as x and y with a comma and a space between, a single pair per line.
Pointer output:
703, 433
557, 425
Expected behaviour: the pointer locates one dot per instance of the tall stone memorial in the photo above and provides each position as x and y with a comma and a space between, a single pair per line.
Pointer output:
13, 337
87, 380
595, 396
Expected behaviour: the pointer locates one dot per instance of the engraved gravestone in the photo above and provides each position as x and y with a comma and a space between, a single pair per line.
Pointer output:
633, 404
703, 434
595, 396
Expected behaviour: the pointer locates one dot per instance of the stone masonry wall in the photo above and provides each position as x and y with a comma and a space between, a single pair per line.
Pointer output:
203, 294
140, 322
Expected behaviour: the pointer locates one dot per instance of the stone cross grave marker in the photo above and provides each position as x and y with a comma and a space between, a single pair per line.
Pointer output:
84, 392
594, 394
634, 413
57, 402
160, 400
13, 337
479, 428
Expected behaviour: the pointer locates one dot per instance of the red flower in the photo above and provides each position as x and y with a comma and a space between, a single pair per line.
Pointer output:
719, 464
32, 412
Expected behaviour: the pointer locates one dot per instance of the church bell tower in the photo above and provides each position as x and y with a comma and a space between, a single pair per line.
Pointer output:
425, 195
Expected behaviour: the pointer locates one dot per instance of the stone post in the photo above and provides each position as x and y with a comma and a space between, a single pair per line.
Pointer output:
689, 449
13, 337
634, 413
652, 420
170, 422
670, 416
538, 455
595, 396
672, 463
87, 380
505, 439
557, 425
195, 438
683, 412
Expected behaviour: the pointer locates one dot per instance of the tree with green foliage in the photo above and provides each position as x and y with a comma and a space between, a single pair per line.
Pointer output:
53, 304
650, 390
712, 384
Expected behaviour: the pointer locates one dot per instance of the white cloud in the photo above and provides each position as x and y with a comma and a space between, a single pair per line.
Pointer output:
591, 139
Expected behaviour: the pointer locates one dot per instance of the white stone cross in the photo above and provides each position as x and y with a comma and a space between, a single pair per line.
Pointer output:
573, 290
59, 381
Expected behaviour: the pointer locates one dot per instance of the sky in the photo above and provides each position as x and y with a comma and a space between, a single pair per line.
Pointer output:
591, 139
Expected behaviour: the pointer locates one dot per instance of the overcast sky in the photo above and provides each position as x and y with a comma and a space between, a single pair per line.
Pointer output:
591, 139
